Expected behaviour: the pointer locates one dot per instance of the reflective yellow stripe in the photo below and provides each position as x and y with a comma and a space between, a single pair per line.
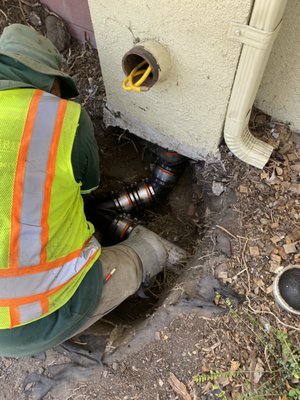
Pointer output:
30, 243
20, 287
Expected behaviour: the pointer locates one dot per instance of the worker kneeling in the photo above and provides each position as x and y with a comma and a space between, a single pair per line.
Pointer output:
52, 283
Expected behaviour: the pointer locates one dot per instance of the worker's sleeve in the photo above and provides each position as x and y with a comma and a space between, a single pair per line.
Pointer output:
85, 156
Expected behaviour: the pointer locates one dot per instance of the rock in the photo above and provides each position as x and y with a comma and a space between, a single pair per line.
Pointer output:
105, 374
57, 32
217, 188
35, 19
115, 366
223, 243
275, 134
221, 271
206, 288
160, 382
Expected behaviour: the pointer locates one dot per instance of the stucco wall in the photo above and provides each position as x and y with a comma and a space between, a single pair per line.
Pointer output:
279, 93
186, 112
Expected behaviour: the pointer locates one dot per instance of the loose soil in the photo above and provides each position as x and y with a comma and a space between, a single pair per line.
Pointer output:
234, 220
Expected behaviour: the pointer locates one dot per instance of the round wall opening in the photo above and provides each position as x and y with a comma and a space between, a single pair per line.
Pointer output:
154, 55
136, 56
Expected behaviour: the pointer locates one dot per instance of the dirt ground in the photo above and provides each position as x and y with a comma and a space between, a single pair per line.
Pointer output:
239, 224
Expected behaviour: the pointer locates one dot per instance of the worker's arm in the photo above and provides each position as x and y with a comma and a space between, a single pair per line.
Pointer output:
85, 157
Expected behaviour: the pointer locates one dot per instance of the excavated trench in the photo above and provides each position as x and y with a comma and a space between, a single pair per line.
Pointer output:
176, 214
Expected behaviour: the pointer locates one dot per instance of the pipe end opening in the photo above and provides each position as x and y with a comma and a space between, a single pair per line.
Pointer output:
136, 56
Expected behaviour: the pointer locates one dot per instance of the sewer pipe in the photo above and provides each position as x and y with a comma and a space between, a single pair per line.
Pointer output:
110, 214
142, 194
257, 38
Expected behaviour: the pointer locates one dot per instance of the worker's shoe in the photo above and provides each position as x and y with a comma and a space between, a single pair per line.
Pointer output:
150, 250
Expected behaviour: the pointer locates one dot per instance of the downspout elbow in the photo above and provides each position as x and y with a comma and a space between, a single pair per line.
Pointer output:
257, 39
244, 145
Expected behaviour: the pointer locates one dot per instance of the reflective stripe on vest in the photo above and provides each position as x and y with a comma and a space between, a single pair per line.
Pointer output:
32, 189
30, 240
35, 284
28, 293
30, 281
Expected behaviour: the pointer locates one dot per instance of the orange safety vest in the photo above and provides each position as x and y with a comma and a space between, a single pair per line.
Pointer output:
46, 244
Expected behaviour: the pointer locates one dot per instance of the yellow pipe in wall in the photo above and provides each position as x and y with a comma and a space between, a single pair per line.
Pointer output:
150, 54
128, 83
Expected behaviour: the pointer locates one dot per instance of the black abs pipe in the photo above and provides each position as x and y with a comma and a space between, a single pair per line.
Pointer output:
142, 194
110, 216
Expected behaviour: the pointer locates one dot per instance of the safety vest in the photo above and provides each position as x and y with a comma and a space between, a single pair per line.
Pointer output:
46, 244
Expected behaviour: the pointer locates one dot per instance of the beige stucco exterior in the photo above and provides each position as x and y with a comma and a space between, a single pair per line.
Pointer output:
279, 93
186, 111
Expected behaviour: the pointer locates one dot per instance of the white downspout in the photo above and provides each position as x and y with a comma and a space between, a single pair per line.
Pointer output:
257, 39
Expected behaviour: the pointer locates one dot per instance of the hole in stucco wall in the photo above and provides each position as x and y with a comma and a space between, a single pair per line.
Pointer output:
136, 56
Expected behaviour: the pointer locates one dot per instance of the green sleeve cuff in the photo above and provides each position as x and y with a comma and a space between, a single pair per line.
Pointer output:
88, 191
85, 155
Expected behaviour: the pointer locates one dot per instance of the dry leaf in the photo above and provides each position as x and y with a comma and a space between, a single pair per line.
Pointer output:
254, 251
223, 380
269, 289
264, 221
179, 387
235, 395
274, 267
258, 371
222, 275
260, 119
290, 248
295, 235
264, 175
243, 189
274, 225
295, 188
275, 239
272, 178
285, 185
287, 384
276, 258
160, 382
279, 170
282, 253
235, 365
207, 387
295, 167
292, 156
259, 282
